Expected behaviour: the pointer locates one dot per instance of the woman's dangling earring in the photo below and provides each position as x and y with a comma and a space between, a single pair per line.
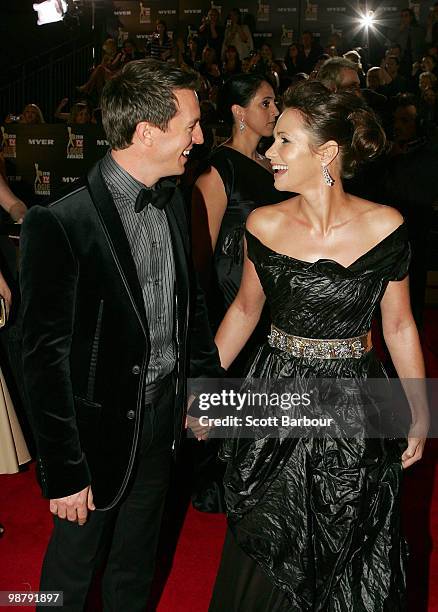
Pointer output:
328, 179
241, 125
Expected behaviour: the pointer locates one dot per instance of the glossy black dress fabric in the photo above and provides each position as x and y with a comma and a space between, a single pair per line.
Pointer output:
248, 185
319, 518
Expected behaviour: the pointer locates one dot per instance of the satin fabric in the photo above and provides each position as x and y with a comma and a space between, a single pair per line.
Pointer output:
320, 517
247, 185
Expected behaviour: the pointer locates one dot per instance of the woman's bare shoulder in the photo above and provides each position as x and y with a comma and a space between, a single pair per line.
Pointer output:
264, 220
380, 219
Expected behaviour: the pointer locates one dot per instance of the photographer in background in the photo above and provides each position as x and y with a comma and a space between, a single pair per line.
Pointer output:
211, 32
238, 35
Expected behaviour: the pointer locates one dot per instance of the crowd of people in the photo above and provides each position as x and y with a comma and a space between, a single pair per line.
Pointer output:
408, 63
288, 214
402, 90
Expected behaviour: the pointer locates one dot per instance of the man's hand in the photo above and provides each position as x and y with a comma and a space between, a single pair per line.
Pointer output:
74, 507
199, 431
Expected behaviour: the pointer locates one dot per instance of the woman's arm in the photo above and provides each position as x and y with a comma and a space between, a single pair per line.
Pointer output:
246, 37
243, 34
228, 40
402, 340
242, 316
209, 202
13, 205
58, 112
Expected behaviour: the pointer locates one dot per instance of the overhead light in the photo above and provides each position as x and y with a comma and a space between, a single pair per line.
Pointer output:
367, 19
50, 11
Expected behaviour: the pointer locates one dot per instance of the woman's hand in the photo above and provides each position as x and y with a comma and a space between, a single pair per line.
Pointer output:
414, 451
417, 435
17, 211
5, 292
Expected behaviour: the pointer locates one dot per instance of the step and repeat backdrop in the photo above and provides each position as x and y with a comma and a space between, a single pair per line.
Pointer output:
278, 21
42, 161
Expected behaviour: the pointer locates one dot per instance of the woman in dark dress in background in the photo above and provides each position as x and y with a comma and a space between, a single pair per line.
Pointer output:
314, 522
237, 180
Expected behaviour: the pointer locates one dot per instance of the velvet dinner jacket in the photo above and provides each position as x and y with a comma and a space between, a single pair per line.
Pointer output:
86, 341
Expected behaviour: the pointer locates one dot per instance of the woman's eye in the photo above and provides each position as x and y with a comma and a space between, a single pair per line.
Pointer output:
284, 140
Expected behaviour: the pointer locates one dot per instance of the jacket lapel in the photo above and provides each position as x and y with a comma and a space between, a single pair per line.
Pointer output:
117, 240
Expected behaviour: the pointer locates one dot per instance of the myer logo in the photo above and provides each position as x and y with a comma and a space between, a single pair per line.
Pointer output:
388, 9
262, 34
15, 179
336, 9
243, 10
41, 185
192, 11
122, 13
102, 143
41, 141
69, 179
75, 145
287, 9
167, 12
9, 144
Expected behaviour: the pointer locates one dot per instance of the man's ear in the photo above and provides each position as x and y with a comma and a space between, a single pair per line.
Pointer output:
144, 133
328, 152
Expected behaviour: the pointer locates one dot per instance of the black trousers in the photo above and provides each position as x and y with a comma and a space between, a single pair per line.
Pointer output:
128, 534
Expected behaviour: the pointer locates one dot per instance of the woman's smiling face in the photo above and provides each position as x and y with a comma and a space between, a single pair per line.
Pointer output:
295, 164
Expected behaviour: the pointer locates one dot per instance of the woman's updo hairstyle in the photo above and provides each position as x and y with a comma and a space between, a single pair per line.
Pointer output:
340, 116
239, 89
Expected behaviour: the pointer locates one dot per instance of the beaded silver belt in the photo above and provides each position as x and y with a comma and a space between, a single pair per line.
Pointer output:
344, 348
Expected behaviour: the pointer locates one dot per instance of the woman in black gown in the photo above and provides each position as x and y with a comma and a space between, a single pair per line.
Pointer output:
314, 523
237, 180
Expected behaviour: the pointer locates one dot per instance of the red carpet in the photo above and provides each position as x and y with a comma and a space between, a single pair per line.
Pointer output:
189, 585
27, 520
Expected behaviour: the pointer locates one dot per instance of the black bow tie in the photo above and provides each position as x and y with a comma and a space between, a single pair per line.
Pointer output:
158, 197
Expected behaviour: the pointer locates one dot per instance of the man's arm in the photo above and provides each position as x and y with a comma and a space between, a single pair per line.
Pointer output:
48, 276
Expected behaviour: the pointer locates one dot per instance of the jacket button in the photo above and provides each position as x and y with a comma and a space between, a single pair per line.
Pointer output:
130, 415
136, 369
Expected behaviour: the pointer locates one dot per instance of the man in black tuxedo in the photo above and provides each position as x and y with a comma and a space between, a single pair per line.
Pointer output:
110, 304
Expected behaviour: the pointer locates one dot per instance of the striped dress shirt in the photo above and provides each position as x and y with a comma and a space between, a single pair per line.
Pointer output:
148, 235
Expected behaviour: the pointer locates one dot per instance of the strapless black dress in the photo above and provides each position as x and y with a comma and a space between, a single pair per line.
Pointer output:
315, 523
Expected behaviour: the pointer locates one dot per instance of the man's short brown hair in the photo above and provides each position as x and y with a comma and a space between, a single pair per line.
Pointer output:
144, 90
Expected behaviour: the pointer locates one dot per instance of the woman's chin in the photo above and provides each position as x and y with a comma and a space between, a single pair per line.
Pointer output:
281, 182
